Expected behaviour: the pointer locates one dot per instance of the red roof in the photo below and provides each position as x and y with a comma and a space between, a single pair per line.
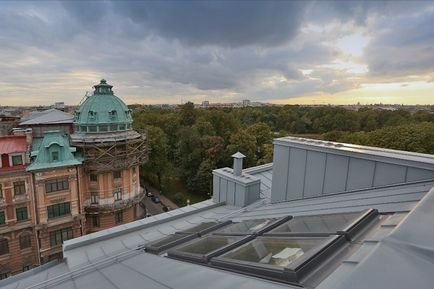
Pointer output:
13, 144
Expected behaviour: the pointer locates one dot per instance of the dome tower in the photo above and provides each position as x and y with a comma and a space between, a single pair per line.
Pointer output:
112, 153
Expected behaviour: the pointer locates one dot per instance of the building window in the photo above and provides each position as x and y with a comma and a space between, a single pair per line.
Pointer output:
113, 114
94, 198
27, 267
19, 188
4, 275
92, 128
122, 127
17, 160
57, 237
92, 114
25, 241
22, 214
4, 246
117, 194
93, 177
84, 128
58, 210
55, 156
95, 221
114, 127
2, 218
56, 185
119, 217
117, 174
103, 127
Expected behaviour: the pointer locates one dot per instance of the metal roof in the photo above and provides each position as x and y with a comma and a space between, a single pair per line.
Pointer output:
395, 253
395, 156
13, 144
49, 116
53, 141
104, 258
103, 107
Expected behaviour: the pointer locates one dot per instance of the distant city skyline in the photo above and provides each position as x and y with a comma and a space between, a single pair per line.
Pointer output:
283, 52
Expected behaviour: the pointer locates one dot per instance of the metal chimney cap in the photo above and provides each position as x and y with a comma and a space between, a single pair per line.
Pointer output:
238, 155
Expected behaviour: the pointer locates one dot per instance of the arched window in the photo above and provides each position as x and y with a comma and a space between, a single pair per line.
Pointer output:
92, 114
113, 114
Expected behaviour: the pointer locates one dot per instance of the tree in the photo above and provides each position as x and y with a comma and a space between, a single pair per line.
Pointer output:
263, 136
245, 143
188, 114
203, 178
157, 144
188, 153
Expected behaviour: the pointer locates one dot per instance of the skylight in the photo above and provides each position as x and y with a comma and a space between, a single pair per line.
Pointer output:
282, 249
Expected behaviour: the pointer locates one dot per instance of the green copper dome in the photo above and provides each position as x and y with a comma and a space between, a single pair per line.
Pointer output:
102, 112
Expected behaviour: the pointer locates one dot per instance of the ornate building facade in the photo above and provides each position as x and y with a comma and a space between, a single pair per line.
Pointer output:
112, 153
55, 186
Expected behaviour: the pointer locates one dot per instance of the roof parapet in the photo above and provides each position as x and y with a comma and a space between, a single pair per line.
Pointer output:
307, 168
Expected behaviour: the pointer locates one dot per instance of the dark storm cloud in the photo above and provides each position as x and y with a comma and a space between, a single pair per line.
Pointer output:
232, 24
403, 46
207, 48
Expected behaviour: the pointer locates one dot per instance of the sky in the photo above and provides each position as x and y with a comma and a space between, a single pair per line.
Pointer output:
296, 52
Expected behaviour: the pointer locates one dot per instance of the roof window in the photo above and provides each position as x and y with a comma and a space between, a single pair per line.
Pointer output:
284, 249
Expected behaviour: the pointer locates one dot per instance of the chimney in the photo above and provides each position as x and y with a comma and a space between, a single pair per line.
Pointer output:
234, 187
238, 163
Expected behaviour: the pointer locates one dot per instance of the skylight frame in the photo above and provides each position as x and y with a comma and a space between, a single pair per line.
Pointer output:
187, 236
294, 272
175, 252
350, 230
205, 231
277, 222
152, 248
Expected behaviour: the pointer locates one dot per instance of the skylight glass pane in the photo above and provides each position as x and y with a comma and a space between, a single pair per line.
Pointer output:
167, 240
248, 226
273, 251
199, 227
208, 244
317, 224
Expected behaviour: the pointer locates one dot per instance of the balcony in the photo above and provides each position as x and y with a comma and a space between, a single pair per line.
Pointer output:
114, 206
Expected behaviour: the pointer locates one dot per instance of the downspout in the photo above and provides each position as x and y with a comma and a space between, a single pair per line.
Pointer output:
78, 196
38, 242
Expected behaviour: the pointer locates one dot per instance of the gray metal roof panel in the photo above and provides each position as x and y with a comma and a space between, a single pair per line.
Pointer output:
50, 116
357, 149
97, 250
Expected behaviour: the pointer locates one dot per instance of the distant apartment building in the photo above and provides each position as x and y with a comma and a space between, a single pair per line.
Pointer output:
7, 123
246, 102
62, 176
205, 104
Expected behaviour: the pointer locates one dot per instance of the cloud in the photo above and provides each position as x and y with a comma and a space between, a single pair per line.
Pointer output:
234, 24
216, 50
402, 46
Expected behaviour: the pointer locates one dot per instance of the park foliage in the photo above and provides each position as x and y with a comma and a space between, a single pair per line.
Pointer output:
188, 143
